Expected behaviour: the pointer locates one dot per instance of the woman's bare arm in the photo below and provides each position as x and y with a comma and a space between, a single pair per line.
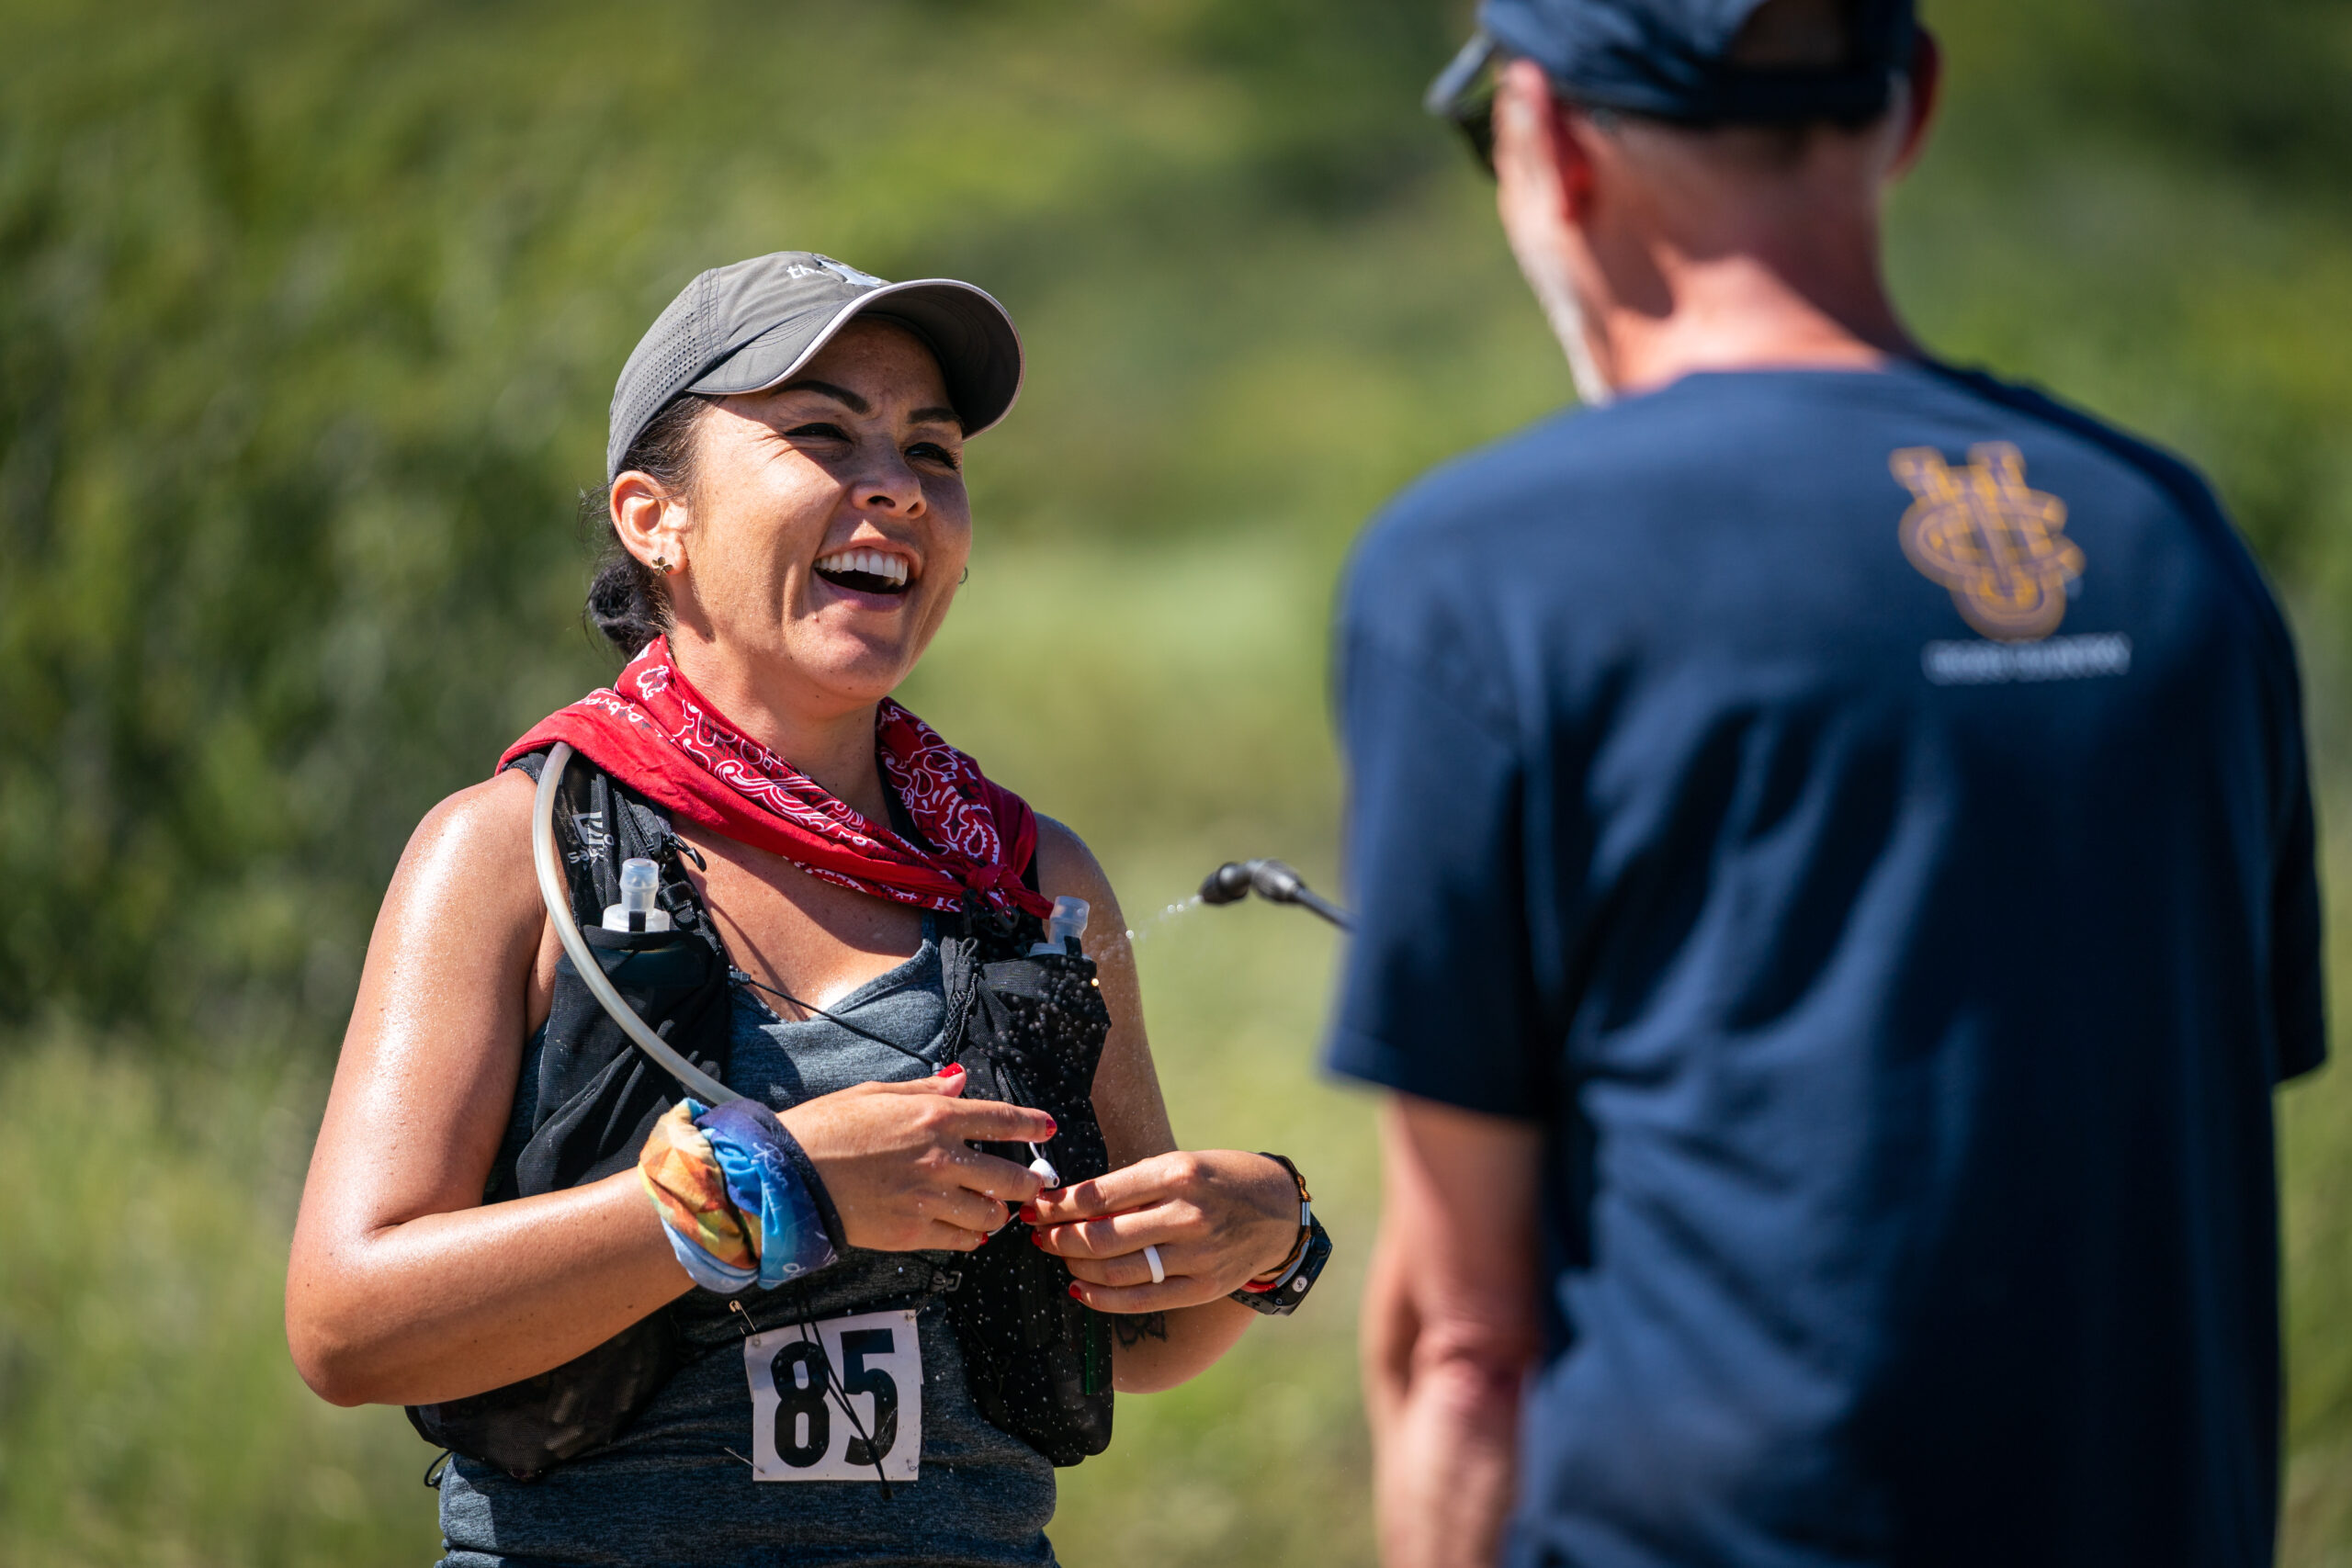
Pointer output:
1238, 1213
403, 1288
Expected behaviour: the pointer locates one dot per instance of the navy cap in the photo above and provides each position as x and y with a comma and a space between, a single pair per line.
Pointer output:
753, 324
1672, 58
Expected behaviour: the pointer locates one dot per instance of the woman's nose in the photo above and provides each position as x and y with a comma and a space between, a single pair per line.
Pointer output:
890, 486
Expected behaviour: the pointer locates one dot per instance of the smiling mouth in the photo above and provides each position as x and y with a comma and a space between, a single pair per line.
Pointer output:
865, 571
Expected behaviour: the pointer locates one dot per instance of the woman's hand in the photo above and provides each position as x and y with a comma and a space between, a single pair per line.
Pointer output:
1219, 1217
897, 1159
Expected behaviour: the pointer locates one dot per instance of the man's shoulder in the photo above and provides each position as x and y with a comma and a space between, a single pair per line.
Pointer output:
1548, 458
2171, 474
2175, 484
1494, 500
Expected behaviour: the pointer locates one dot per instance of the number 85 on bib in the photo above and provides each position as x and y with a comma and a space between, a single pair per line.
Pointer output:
827, 1407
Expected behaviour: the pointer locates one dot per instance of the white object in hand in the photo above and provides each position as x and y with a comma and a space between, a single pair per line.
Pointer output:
1159, 1269
635, 912
1044, 1168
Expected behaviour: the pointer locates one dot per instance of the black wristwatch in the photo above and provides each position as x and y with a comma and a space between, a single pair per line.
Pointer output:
1280, 1296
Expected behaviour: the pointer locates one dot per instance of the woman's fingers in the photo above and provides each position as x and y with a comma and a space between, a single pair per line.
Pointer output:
1130, 1187
1219, 1218
1177, 1292
898, 1161
1132, 1269
967, 1211
994, 1122
1118, 1235
986, 1174
937, 1236
979, 1121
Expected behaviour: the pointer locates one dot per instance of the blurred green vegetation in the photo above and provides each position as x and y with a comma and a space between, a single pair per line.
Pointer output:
307, 318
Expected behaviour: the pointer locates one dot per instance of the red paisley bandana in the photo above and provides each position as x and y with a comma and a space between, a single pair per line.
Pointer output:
658, 735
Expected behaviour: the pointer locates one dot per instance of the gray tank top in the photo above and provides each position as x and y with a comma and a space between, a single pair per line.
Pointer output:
668, 1492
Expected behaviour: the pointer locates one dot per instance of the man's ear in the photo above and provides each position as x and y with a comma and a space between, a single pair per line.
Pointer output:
1921, 103
1541, 141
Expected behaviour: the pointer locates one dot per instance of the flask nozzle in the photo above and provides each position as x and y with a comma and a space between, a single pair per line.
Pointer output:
641, 880
1068, 920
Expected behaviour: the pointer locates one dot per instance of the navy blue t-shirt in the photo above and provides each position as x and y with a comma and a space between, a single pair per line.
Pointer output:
1863, 818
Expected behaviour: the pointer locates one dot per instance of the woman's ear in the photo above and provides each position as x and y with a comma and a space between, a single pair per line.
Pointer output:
649, 520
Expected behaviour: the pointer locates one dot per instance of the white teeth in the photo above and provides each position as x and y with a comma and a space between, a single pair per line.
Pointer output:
871, 563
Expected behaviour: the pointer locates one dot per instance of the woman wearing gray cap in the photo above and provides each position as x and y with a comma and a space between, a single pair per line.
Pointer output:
719, 1062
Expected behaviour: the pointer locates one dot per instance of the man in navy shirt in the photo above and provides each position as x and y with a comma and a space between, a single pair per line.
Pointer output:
1835, 863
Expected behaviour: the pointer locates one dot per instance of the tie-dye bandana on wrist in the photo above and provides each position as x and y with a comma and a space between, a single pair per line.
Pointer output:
738, 1197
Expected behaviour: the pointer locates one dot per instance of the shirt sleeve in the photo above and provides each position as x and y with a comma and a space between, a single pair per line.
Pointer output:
2298, 954
1436, 999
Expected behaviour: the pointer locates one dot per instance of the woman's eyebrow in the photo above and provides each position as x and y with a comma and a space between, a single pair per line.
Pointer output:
857, 404
839, 394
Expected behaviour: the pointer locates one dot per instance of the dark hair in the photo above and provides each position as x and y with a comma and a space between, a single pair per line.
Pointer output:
627, 602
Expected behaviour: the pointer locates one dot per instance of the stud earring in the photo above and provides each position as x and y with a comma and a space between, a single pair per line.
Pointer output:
661, 564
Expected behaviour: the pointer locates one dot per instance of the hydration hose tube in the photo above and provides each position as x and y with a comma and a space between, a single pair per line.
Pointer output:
556, 896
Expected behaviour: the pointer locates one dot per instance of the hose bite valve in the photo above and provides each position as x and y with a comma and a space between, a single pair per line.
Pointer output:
1273, 881
636, 911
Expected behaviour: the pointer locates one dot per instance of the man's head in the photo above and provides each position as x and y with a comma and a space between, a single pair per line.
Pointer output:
1648, 151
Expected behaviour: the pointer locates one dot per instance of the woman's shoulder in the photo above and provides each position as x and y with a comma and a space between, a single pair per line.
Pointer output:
479, 842
481, 814
1067, 868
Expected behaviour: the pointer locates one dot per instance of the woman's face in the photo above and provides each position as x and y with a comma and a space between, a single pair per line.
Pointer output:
827, 526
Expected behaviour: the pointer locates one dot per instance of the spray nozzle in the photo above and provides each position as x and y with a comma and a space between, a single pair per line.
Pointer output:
1068, 920
1229, 884
641, 880
1273, 881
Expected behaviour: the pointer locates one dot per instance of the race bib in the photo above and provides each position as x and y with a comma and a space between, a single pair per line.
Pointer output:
832, 1401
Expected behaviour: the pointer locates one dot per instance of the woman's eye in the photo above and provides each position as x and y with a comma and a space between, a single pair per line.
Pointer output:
932, 452
818, 432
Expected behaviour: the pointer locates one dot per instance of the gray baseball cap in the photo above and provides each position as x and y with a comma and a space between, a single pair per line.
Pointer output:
752, 326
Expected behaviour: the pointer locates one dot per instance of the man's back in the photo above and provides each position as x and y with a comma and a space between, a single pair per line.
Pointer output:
1907, 910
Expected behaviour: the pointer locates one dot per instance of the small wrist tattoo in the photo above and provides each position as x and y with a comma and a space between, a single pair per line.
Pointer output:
1133, 1328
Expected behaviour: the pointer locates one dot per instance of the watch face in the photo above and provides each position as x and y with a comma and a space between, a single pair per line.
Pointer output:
1318, 1252
1284, 1298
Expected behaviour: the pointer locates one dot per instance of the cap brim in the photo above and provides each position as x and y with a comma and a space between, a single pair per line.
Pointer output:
969, 333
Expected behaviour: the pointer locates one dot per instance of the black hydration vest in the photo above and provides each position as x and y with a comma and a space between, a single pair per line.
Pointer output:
1026, 1028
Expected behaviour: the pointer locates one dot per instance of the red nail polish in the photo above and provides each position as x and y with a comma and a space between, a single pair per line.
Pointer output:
1037, 1237
1074, 1296
949, 1071
1029, 1212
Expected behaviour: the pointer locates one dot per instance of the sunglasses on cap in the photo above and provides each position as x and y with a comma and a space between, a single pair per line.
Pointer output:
1465, 94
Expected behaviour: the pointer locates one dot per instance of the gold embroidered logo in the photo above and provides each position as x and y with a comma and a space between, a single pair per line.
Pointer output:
1997, 544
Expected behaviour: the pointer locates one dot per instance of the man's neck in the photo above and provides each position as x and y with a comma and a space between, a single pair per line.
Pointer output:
1755, 306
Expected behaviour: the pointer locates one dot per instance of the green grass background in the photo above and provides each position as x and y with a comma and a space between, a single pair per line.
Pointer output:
307, 318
